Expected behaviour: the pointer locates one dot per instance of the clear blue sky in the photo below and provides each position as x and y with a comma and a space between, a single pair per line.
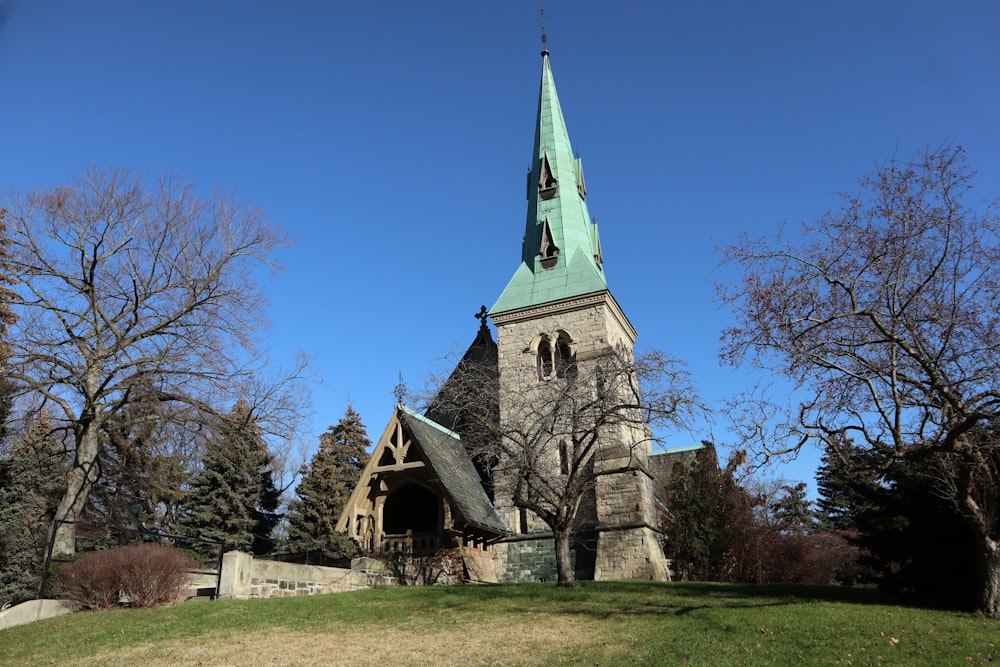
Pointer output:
392, 138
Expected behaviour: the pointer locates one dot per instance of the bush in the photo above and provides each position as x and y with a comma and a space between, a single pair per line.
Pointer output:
146, 575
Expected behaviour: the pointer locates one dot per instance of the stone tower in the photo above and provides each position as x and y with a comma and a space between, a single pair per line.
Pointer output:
557, 314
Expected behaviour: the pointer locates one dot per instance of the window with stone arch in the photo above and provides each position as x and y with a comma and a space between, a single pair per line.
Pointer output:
543, 356
565, 358
555, 356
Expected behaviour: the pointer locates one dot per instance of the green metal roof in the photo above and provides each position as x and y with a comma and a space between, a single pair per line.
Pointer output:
575, 269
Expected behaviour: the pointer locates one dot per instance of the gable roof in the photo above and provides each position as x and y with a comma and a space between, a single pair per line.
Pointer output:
457, 475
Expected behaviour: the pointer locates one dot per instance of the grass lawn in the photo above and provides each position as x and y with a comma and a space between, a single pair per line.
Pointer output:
604, 623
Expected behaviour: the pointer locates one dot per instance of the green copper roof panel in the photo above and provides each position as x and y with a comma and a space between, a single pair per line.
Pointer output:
561, 252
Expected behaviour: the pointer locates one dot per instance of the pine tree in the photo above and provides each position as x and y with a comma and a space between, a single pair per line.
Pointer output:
230, 500
327, 483
32, 478
700, 503
846, 482
144, 462
794, 512
265, 515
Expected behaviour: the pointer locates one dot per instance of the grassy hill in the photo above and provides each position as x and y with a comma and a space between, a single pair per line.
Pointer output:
597, 624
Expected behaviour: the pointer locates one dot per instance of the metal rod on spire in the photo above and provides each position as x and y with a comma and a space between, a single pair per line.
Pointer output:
545, 38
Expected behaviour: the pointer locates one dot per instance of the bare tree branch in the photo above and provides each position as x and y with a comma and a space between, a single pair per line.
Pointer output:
130, 281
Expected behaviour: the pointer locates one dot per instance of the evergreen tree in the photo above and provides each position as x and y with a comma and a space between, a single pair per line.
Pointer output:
232, 499
912, 536
916, 541
327, 483
700, 503
794, 512
140, 477
265, 515
846, 482
32, 478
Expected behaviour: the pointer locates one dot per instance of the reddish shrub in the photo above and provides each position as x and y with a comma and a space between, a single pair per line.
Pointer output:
146, 575
91, 582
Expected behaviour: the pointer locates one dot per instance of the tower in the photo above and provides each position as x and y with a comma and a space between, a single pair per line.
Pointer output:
556, 321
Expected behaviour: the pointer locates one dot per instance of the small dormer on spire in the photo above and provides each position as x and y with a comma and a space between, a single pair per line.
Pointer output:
547, 183
548, 251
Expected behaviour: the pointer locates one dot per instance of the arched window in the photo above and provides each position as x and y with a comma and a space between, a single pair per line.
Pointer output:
563, 459
565, 360
544, 357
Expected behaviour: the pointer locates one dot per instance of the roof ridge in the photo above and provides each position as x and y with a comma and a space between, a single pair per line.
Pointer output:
429, 422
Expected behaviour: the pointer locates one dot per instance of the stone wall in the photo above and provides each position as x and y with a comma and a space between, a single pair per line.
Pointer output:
244, 576
624, 513
530, 559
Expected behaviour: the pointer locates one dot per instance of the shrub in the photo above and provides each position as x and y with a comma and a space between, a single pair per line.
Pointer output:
147, 575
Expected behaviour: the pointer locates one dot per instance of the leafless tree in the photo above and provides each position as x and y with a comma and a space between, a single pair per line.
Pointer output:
886, 317
547, 442
137, 287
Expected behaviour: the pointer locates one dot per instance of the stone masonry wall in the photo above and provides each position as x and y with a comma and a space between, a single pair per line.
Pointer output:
627, 546
529, 560
243, 577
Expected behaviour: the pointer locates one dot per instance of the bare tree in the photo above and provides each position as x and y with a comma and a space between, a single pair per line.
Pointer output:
136, 288
593, 418
886, 316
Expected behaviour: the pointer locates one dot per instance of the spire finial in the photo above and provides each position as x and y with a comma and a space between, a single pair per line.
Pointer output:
545, 38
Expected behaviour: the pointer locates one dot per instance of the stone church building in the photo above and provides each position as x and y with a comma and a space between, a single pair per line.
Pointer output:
422, 491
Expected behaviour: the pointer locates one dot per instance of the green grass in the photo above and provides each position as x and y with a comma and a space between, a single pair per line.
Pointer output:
597, 624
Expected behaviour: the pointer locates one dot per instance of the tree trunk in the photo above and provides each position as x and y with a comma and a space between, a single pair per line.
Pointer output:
989, 578
564, 564
78, 483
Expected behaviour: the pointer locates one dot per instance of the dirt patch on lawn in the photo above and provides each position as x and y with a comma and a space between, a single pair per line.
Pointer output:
412, 644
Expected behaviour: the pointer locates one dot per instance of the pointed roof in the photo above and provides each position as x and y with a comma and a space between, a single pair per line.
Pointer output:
478, 364
437, 451
561, 254
459, 479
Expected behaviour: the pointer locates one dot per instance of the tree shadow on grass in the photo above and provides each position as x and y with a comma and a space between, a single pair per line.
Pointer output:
607, 599
642, 598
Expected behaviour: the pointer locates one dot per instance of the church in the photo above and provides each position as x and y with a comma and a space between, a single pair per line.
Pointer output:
430, 485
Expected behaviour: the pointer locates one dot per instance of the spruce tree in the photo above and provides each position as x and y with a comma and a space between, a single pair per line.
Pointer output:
846, 482
327, 483
230, 500
700, 503
265, 515
32, 478
794, 512
144, 464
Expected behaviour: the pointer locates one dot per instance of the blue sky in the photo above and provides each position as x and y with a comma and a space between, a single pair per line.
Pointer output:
391, 140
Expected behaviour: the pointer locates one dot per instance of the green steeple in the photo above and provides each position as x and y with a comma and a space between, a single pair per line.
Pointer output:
561, 255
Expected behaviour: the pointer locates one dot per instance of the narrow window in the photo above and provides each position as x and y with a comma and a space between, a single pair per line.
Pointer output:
544, 358
547, 182
522, 519
548, 248
565, 362
563, 459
